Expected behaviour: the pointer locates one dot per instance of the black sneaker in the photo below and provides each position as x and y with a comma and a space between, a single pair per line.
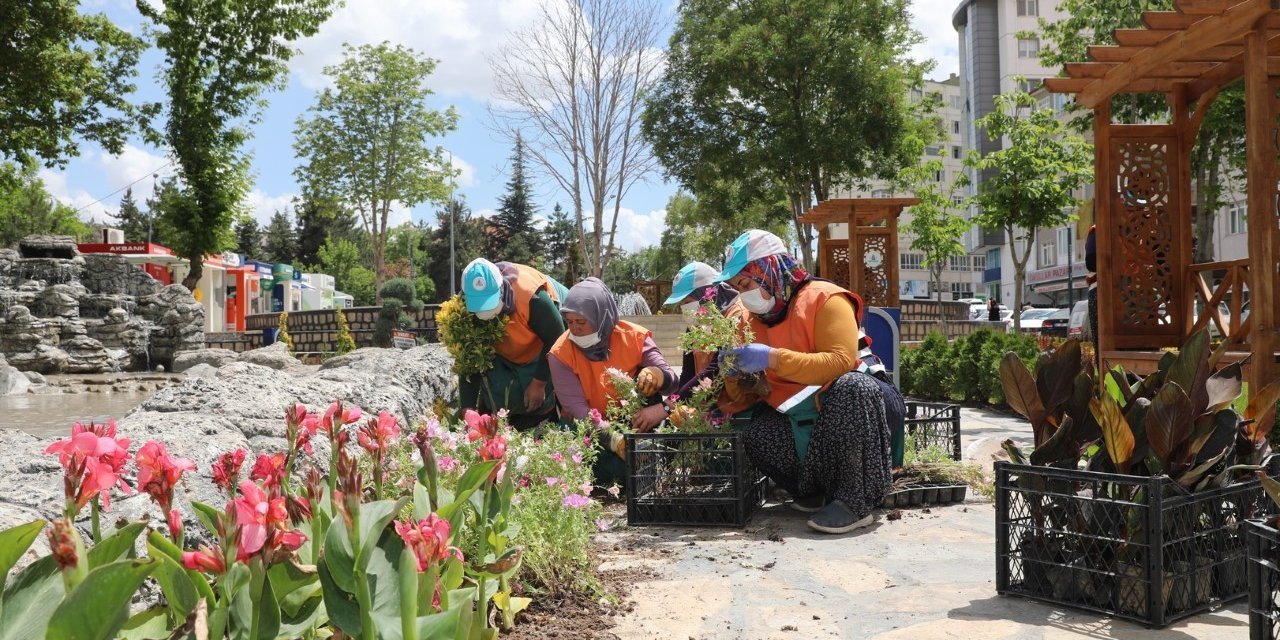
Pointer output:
809, 504
838, 518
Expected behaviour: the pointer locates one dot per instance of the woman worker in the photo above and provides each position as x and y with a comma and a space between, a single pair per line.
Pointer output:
597, 340
695, 285
821, 433
520, 378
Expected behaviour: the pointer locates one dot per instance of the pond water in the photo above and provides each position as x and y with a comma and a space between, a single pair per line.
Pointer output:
52, 414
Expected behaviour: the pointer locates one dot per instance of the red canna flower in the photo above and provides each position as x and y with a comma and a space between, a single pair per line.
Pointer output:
299, 509
255, 514
300, 427
337, 415
209, 560
175, 523
92, 459
270, 470
226, 471
287, 539
428, 539
479, 426
159, 473
494, 448
378, 433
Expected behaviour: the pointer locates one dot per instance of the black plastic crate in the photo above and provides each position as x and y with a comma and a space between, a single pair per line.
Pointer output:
1264, 581
691, 479
1130, 547
933, 423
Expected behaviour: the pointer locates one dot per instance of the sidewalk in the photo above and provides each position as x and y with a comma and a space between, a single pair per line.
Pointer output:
929, 575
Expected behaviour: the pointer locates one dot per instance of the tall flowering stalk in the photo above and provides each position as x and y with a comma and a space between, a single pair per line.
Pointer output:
426, 545
300, 427
158, 475
376, 436
334, 418
92, 460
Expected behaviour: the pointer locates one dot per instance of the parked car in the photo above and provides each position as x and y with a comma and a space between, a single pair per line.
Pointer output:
979, 312
1078, 325
1056, 324
1031, 319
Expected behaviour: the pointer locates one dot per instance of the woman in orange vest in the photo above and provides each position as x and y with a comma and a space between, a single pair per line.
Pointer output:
597, 340
821, 433
520, 380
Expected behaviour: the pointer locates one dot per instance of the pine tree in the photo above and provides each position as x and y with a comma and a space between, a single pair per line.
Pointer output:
515, 238
131, 220
248, 238
318, 219
563, 257
279, 243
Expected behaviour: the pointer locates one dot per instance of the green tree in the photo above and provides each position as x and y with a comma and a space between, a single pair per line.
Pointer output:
367, 142
515, 237
65, 78
219, 57
248, 237
278, 241
935, 230
1218, 155
131, 220
164, 212
341, 259
705, 226
1030, 182
468, 244
787, 96
26, 208
318, 219
560, 240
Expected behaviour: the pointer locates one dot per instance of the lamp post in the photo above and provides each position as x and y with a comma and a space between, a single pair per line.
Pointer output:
1071, 276
453, 268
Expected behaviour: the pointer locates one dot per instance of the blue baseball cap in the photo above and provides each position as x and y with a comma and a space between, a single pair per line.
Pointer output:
753, 244
691, 277
481, 285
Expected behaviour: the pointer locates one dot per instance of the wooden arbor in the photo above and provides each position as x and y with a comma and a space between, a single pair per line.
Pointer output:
1148, 290
866, 260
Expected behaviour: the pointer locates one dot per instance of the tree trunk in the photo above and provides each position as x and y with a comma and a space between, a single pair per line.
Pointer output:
799, 207
935, 272
1208, 199
1019, 272
193, 275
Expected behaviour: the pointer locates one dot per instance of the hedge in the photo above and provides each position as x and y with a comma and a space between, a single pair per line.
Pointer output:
964, 370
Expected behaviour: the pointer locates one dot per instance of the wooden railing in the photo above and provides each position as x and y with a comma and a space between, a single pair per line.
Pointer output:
1214, 285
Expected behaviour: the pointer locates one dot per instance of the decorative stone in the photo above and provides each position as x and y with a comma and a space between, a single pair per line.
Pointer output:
275, 356
185, 360
63, 247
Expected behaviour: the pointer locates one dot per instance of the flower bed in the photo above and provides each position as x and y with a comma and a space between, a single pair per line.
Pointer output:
1264, 580
691, 479
1140, 548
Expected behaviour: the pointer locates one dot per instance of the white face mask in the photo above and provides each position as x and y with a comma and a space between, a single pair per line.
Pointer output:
587, 341
490, 314
755, 302
689, 308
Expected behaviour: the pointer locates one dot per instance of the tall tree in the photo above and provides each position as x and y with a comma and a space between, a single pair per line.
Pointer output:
319, 218
131, 220
516, 238
462, 232
1218, 155
219, 57
164, 209
560, 240
248, 238
367, 143
573, 83
935, 229
341, 259
65, 78
796, 96
278, 242
26, 208
1030, 182
705, 226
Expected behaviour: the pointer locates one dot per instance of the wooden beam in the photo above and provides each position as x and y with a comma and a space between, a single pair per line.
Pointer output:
1209, 7
1081, 85
1260, 155
1210, 32
1220, 53
1233, 70
1177, 21
1189, 70
1140, 37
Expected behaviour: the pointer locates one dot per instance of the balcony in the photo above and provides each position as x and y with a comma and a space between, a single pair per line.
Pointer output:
991, 274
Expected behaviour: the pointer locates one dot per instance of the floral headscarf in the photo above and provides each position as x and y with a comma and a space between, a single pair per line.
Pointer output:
779, 275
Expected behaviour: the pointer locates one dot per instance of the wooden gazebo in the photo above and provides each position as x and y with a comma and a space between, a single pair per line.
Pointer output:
866, 262
1148, 289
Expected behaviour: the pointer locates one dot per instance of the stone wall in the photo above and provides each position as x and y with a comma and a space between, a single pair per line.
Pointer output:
317, 331
917, 330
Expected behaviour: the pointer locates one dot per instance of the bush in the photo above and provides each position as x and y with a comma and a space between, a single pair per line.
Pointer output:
931, 380
282, 332
346, 344
1025, 346
969, 365
399, 299
967, 369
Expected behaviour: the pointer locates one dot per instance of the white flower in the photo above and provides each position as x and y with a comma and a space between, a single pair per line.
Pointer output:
521, 461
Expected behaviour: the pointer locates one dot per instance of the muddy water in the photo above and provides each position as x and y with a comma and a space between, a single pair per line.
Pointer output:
52, 414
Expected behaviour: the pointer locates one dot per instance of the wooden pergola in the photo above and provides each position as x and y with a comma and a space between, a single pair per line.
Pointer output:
867, 261
1148, 289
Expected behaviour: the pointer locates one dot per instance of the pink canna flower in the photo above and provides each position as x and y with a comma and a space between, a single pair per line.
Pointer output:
226, 471
427, 538
557, 456
159, 472
494, 448
337, 415
270, 470
92, 460
288, 540
206, 559
479, 426
256, 513
175, 523
378, 434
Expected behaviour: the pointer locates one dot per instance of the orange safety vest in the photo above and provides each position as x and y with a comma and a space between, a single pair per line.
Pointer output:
796, 332
521, 346
626, 352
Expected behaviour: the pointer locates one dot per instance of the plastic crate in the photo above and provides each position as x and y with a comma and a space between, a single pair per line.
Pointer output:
1264, 581
1131, 547
933, 423
691, 479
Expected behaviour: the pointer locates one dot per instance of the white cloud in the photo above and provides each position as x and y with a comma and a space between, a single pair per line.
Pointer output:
932, 18
134, 166
458, 33
466, 172
639, 230
262, 206
89, 209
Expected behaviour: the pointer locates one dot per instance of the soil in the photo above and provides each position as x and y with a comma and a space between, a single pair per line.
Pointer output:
578, 616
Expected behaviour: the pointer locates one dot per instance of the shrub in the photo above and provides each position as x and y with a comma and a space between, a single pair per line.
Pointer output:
282, 334
933, 368
967, 369
969, 366
1027, 348
346, 344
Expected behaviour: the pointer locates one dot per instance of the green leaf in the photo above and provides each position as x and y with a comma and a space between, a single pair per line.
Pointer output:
207, 515
439, 625
1117, 437
158, 544
179, 590
30, 599
99, 606
421, 503
116, 546
15, 541
1191, 369
374, 518
1270, 486
340, 558
341, 604
294, 586
474, 477
151, 624
1169, 422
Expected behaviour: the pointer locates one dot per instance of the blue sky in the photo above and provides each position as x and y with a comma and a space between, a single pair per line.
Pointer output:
461, 34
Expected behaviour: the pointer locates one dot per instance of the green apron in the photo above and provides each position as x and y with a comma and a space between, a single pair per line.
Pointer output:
506, 383
803, 418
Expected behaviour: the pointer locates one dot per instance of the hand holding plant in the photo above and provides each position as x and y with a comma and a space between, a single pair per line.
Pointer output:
469, 339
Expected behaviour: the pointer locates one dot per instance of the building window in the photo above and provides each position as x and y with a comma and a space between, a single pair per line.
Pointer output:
933, 150
961, 290
1238, 215
960, 263
956, 102
979, 263
955, 127
1064, 242
957, 201
955, 152
1029, 85
993, 256
911, 261
1028, 7
1028, 47
939, 175
1048, 254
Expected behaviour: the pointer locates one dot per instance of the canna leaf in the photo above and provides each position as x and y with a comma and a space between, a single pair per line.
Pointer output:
1261, 409
1117, 437
1169, 422
14, 542
1270, 486
99, 606
1021, 393
115, 546
1056, 375
1224, 387
30, 598
207, 515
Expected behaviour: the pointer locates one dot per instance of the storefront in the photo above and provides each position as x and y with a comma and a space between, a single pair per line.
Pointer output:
159, 262
1057, 286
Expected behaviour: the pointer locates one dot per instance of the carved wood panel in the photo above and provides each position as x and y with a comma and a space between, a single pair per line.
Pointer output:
873, 283
837, 263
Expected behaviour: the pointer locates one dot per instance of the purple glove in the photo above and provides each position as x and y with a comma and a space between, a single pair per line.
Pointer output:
751, 358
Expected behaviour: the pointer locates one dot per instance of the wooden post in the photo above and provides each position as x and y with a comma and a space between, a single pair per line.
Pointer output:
1104, 194
1181, 175
1260, 125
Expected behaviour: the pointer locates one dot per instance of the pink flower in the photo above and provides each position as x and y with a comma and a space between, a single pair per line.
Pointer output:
585, 488
378, 433
175, 523
614, 490
596, 419
709, 294
428, 539
226, 471
557, 456
255, 514
287, 539
602, 524
702, 311
433, 428
575, 501
479, 426
159, 473
447, 464
551, 482
92, 459
336, 416
577, 457
494, 448
269, 469
209, 560
523, 482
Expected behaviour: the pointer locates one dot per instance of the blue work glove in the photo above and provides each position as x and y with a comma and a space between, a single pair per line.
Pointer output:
751, 358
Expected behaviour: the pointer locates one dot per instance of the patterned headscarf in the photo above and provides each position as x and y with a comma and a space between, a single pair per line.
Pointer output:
592, 300
780, 275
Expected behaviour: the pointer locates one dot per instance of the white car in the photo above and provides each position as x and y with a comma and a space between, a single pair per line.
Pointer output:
1032, 319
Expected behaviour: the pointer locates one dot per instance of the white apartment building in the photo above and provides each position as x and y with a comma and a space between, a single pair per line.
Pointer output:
962, 277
